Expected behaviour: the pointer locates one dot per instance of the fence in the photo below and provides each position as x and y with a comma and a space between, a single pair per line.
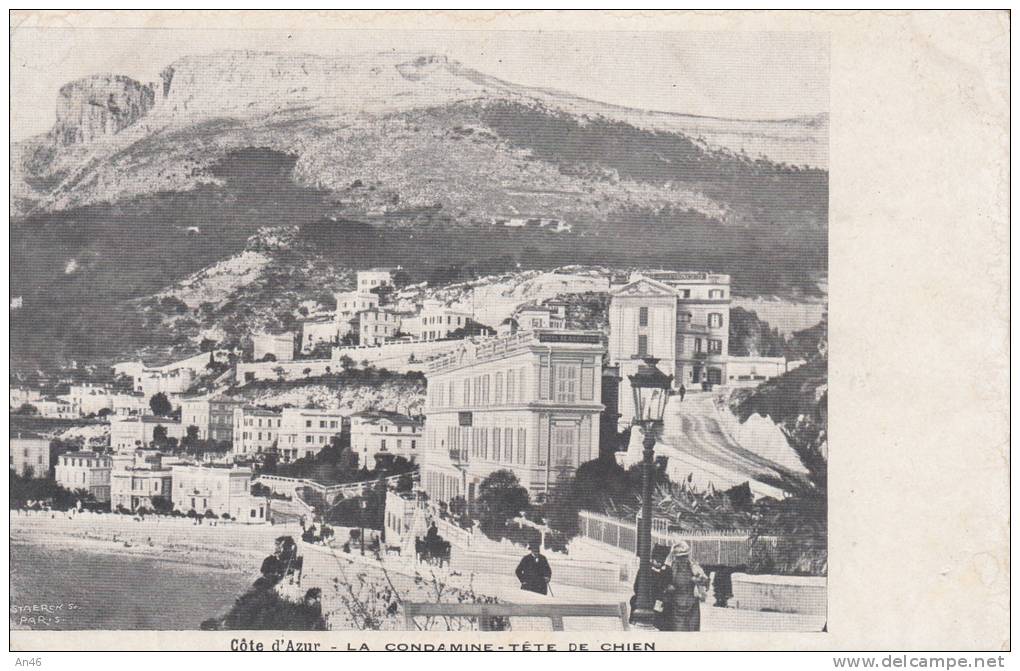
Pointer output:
709, 548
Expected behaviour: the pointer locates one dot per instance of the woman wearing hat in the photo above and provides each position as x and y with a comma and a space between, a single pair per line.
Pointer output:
685, 591
660, 577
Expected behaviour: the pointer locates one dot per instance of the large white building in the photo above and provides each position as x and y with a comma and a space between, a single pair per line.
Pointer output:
130, 433
212, 415
30, 455
378, 325
305, 431
85, 470
136, 484
378, 432
221, 489
528, 403
256, 430
436, 321
374, 278
348, 305
680, 318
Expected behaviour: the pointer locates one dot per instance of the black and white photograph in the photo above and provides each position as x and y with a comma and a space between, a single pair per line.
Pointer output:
474, 331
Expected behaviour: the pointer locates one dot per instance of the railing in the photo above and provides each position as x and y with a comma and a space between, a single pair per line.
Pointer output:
484, 612
716, 548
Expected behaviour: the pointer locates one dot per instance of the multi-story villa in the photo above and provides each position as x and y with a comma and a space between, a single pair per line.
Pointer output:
436, 321
377, 325
528, 403
348, 305
305, 431
130, 433
540, 317
30, 455
214, 416
378, 432
85, 470
221, 489
317, 330
135, 485
680, 318
374, 277
256, 430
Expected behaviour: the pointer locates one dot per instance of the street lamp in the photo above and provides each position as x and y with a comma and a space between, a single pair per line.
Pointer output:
361, 518
651, 388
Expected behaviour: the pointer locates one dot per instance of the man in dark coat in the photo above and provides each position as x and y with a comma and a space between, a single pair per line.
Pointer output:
660, 578
534, 572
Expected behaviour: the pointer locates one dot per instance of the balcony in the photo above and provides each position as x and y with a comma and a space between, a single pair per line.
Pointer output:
458, 456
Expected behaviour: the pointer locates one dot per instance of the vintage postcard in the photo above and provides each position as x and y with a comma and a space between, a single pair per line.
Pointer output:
464, 332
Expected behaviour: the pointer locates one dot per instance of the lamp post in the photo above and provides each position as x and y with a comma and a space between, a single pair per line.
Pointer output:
361, 518
651, 388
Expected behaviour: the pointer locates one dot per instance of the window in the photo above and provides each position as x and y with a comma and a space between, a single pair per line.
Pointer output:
510, 387
717, 293
643, 317
587, 383
414, 444
715, 320
522, 446
499, 388
697, 344
642, 345
382, 444
308, 423
508, 445
566, 383
308, 439
715, 346
495, 444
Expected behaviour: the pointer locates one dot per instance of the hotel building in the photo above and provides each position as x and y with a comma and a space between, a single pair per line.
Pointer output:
85, 470
528, 403
221, 489
256, 430
375, 432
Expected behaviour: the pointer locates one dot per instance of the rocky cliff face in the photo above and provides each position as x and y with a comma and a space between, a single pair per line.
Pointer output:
97, 107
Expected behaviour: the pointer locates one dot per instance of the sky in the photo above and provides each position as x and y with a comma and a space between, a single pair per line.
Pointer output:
745, 75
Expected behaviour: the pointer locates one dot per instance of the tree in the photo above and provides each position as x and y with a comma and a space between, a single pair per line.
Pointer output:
500, 498
268, 357
160, 405
561, 506
162, 505
159, 435
27, 409
191, 437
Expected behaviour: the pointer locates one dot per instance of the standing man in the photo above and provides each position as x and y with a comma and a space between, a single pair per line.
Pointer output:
681, 392
534, 572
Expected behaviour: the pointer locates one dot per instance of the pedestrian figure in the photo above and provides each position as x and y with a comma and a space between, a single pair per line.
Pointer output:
685, 590
534, 572
660, 577
682, 391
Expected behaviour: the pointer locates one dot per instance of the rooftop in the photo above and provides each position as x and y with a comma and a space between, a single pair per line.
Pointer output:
489, 349
394, 417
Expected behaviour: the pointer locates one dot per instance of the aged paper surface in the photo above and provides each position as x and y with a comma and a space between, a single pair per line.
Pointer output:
831, 168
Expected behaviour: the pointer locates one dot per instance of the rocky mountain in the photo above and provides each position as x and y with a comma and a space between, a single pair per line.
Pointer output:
385, 159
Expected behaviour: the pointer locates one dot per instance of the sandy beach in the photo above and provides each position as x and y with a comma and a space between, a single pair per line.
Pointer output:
91, 571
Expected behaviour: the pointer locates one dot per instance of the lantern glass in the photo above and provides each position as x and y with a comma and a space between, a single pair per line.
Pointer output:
651, 388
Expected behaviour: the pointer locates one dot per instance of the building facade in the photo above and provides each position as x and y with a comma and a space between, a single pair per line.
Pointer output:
136, 484
436, 321
680, 318
130, 433
304, 432
540, 317
318, 330
375, 432
213, 416
348, 305
281, 346
377, 325
85, 470
373, 278
30, 455
528, 403
220, 489
256, 430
